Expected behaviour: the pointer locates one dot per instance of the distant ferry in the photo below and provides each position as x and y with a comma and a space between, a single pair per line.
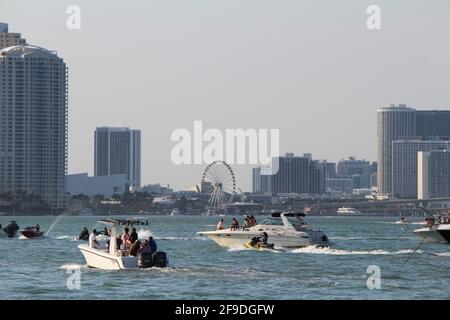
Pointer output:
348, 211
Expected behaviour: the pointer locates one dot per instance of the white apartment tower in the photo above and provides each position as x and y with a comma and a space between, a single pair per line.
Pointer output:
33, 121
118, 151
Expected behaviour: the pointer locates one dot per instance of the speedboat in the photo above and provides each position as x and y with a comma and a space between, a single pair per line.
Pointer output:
437, 229
31, 233
175, 212
347, 211
284, 230
403, 220
11, 229
115, 258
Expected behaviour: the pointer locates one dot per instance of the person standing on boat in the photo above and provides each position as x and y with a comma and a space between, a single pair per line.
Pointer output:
93, 243
220, 225
133, 236
152, 244
126, 238
38, 227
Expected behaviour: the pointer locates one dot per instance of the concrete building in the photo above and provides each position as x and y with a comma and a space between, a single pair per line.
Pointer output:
293, 174
330, 170
404, 165
81, 183
33, 122
256, 180
118, 151
8, 39
433, 123
433, 174
358, 170
393, 123
157, 189
339, 185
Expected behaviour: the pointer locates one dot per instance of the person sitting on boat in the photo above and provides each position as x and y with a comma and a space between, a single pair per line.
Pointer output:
252, 220
247, 223
93, 243
153, 245
133, 236
105, 232
145, 247
234, 225
220, 225
264, 237
38, 227
135, 248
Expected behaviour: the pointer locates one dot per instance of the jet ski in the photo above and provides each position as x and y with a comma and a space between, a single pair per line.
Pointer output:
257, 244
11, 229
84, 235
31, 233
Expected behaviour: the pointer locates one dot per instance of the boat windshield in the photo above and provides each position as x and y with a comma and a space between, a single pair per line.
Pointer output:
276, 222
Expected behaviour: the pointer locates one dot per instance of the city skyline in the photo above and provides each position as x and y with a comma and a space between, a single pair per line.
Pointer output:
253, 85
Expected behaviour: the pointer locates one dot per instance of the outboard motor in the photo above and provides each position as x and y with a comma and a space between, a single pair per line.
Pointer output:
145, 260
160, 259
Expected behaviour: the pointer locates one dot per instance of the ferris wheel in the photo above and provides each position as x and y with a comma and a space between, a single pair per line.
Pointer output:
221, 178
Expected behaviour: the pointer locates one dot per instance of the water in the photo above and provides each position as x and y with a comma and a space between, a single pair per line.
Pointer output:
200, 269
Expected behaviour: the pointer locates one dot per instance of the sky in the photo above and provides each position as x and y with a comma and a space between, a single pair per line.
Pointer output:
311, 69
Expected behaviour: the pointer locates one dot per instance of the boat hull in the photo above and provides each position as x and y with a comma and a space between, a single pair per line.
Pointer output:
238, 239
100, 259
438, 235
31, 234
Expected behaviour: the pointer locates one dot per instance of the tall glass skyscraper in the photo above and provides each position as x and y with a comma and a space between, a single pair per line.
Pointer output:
33, 122
118, 151
394, 123
433, 123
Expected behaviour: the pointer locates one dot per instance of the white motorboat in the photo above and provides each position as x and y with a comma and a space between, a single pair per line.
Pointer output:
175, 212
113, 258
284, 230
436, 230
348, 211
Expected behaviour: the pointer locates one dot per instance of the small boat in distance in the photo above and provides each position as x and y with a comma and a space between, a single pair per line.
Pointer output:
175, 212
284, 230
32, 232
346, 211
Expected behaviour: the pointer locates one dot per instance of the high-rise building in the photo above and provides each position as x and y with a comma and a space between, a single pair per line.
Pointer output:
256, 180
340, 185
9, 39
330, 171
358, 170
404, 165
293, 174
118, 151
33, 122
393, 123
433, 123
433, 174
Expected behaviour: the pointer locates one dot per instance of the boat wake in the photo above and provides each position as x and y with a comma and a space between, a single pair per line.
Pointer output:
319, 250
73, 266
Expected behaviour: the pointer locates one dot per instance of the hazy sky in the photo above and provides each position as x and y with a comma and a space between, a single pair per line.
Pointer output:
310, 68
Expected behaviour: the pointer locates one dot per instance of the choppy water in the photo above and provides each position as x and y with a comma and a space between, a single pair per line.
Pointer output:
40, 269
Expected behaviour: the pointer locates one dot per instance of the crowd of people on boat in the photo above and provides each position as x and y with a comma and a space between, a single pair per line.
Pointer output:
127, 242
249, 221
